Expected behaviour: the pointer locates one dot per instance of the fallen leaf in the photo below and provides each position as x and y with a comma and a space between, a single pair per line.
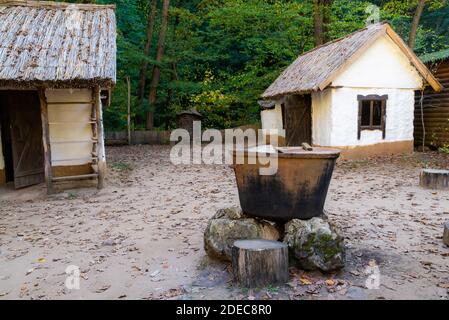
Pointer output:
330, 282
103, 288
305, 281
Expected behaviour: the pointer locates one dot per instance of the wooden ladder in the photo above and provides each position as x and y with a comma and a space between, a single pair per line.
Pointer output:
97, 158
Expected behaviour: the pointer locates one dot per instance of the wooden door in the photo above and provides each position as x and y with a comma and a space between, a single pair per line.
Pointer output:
298, 120
26, 136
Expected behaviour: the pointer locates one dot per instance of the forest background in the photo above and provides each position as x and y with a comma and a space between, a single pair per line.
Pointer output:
218, 56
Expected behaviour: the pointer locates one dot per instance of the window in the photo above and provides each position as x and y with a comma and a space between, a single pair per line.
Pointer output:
372, 113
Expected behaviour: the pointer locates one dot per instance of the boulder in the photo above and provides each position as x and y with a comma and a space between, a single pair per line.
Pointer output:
446, 234
315, 244
229, 225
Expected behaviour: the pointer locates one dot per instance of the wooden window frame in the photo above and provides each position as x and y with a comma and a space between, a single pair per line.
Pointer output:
372, 98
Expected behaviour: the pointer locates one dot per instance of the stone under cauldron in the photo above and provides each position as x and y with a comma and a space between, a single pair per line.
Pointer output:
286, 206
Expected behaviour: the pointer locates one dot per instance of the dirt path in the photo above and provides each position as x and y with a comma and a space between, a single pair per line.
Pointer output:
141, 237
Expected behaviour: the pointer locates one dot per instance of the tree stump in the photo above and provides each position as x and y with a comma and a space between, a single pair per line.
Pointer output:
446, 234
257, 263
434, 179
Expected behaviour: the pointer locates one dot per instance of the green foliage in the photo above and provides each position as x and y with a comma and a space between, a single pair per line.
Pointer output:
221, 55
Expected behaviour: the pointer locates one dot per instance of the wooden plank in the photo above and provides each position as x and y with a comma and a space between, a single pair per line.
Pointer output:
75, 178
46, 141
100, 134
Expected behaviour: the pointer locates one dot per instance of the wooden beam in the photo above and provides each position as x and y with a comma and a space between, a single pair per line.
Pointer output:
46, 141
76, 178
100, 145
55, 5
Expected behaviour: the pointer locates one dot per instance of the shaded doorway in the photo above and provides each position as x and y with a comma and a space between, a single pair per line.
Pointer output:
21, 130
297, 110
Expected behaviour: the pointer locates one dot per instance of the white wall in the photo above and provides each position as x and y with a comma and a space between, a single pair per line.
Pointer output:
381, 69
399, 117
272, 118
322, 117
73, 125
2, 161
382, 65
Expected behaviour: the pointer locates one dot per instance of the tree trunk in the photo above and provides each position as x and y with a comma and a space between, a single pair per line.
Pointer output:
258, 263
318, 22
321, 18
415, 23
146, 52
156, 70
434, 179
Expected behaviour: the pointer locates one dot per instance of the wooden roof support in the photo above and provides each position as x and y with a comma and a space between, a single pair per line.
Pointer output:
100, 145
46, 141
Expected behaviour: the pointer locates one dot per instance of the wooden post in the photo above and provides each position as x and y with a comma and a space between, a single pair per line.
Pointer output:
257, 263
446, 233
128, 80
100, 145
46, 141
434, 179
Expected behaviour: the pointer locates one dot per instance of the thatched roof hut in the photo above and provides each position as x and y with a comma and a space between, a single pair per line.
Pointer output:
57, 44
355, 93
55, 60
315, 69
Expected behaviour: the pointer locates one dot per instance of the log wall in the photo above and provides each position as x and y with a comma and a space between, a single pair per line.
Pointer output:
436, 111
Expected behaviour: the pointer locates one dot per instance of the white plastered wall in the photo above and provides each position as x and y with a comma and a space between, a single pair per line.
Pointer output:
272, 118
322, 117
345, 108
72, 125
382, 65
381, 70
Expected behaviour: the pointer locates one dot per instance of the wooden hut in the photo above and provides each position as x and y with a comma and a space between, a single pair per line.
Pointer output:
435, 105
186, 118
355, 93
56, 59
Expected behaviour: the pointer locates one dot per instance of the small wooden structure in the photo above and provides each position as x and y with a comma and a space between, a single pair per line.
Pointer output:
56, 61
258, 263
186, 118
432, 122
355, 94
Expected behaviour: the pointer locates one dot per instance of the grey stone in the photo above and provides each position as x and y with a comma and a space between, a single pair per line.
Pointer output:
315, 244
229, 225
446, 233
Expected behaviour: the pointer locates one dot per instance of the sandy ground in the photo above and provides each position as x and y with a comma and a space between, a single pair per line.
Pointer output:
141, 237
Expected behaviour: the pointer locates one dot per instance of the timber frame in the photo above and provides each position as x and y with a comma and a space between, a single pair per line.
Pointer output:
373, 97
98, 150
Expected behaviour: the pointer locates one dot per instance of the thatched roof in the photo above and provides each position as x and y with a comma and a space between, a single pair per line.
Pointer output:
315, 69
56, 44
192, 112
266, 104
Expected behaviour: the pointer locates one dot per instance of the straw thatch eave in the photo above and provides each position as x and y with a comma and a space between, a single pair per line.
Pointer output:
58, 45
